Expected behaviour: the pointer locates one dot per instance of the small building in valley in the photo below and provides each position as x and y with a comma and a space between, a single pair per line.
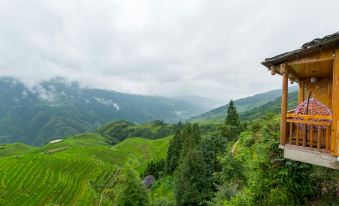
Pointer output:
310, 132
148, 181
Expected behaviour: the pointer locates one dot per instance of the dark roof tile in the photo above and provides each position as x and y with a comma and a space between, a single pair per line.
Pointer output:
326, 40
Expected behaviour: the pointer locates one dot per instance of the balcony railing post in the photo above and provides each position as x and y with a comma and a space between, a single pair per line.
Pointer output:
311, 136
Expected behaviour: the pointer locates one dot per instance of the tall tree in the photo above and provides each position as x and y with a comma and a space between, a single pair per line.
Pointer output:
191, 185
173, 153
232, 127
232, 117
191, 138
133, 192
213, 147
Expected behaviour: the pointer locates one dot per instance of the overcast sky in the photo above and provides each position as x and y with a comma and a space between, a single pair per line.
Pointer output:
208, 48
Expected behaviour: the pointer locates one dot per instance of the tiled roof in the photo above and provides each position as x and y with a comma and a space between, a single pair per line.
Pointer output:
305, 48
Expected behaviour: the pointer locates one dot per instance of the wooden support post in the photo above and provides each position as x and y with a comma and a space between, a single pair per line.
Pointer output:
335, 106
284, 72
301, 92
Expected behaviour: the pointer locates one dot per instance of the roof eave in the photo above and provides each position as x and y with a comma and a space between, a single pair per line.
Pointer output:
303, 51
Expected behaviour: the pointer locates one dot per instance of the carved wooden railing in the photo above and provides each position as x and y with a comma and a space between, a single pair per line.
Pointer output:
309, 131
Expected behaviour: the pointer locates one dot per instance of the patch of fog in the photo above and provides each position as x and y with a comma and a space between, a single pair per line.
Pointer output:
63, 93
107, 102
24, 93
42, 93
116, 106
48, 94
180, 113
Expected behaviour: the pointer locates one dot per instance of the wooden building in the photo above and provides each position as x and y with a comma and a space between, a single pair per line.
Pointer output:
310, 132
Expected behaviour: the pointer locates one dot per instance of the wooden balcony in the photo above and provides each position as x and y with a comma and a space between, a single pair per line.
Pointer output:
308, 139
309, 131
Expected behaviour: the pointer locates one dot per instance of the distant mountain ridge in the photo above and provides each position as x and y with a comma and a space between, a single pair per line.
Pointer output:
58, 108
243, 105
204, 101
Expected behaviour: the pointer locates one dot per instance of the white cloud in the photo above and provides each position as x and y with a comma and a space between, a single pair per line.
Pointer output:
48, 95
108, 102
200, 47
116, 106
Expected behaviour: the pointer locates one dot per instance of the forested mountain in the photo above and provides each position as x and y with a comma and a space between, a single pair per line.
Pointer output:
243, 105
57, 108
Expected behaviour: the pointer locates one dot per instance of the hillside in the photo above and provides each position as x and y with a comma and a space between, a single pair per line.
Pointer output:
120, 130
243, 105
81, 170
57, 108
270, 107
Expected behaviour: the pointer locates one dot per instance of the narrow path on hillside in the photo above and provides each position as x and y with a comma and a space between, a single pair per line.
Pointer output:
235, 144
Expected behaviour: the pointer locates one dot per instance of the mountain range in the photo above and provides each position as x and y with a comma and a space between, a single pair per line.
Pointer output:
247, 105
56, 108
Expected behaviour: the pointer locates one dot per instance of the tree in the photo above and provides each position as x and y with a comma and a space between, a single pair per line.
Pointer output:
191, 138
154, 168
133, 192
213, 147
173, 153
232, 127
191, 185
232, 117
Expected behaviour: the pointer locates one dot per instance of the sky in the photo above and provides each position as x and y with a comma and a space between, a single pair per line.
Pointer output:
208, 48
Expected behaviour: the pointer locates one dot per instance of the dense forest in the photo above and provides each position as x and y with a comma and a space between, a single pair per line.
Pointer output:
238, 164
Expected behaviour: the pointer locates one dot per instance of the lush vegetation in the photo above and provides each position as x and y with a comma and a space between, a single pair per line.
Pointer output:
120, 130
87, 171
231, 162
241, 164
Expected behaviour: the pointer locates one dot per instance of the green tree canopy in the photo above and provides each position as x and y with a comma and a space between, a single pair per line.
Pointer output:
232, 117
173, 153
134, 192
190, 180
232, 127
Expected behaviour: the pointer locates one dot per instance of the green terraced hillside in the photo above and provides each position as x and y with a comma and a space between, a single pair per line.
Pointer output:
81, 170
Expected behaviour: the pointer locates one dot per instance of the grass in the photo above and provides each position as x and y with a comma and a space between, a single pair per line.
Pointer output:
88, 172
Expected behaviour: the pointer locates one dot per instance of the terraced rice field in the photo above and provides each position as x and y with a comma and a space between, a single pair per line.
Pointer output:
85, 171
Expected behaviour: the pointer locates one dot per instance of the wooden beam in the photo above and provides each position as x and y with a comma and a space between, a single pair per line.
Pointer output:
310, 116
299, 121
335, 106
284, 72
316, 56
